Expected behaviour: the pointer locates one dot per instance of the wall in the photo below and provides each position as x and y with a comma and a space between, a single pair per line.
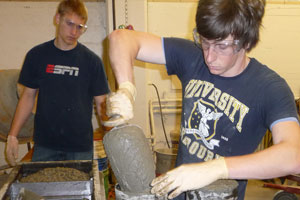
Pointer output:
280, 40
28, 23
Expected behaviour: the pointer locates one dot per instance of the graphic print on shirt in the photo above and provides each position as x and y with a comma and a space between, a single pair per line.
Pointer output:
205, 105
63, 70
202, 118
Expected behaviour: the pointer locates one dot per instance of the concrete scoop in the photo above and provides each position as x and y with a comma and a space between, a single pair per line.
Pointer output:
130, 157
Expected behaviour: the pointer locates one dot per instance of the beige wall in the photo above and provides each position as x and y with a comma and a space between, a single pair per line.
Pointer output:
280, 40
26, 24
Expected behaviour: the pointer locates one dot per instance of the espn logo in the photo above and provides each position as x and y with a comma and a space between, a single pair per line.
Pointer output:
60, 69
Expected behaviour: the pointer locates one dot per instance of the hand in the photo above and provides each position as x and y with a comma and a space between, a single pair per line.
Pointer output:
12, 149
189, 177
119, 105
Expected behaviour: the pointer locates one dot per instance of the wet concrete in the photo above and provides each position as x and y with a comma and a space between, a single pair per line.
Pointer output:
219, 190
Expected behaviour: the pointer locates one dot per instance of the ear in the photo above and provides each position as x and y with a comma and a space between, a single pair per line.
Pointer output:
247, 47
57, 18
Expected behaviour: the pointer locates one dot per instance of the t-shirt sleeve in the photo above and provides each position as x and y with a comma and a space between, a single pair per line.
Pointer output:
28, 74
180, 54
279, 102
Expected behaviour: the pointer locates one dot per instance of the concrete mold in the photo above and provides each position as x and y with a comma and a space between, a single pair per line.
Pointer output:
78, 189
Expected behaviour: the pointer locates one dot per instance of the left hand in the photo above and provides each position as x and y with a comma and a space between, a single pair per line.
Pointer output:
12, 149
189, 177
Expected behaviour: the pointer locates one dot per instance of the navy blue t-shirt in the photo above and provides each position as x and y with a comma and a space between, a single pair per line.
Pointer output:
224, 116
67, 82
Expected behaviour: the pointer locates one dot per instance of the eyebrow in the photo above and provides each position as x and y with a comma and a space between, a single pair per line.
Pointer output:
221, 41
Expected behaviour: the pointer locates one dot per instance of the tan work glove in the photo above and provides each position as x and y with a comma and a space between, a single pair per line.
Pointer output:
189, 177
119, 105
12, 149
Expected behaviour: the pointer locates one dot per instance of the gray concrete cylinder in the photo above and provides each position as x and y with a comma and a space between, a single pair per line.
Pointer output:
131, 158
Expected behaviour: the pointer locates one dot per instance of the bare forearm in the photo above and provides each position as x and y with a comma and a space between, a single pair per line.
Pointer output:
269, 163
283, 158
125, 46
99, 102
122, 53
23, 111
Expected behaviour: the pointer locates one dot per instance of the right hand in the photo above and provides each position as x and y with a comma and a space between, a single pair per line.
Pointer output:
189, 177
12, 149
119, 105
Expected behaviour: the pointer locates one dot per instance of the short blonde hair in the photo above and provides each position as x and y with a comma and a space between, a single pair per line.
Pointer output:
73, 6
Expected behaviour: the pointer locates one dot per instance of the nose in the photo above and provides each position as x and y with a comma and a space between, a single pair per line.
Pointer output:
74, 30
210, 54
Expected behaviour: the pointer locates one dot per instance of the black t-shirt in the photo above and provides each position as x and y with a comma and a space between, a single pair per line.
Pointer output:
224, 116
67, 81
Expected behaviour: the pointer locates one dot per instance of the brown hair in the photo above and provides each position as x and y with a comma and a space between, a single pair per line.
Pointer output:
217, 19
73, 6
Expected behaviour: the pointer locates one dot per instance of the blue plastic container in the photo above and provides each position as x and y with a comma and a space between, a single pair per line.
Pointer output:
102, 163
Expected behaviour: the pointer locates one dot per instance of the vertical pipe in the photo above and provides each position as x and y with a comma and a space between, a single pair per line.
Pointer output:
114, 14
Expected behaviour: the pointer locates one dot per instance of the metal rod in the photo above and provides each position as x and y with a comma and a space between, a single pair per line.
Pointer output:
114, 14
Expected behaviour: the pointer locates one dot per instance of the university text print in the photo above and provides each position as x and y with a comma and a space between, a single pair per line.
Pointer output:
201, 117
